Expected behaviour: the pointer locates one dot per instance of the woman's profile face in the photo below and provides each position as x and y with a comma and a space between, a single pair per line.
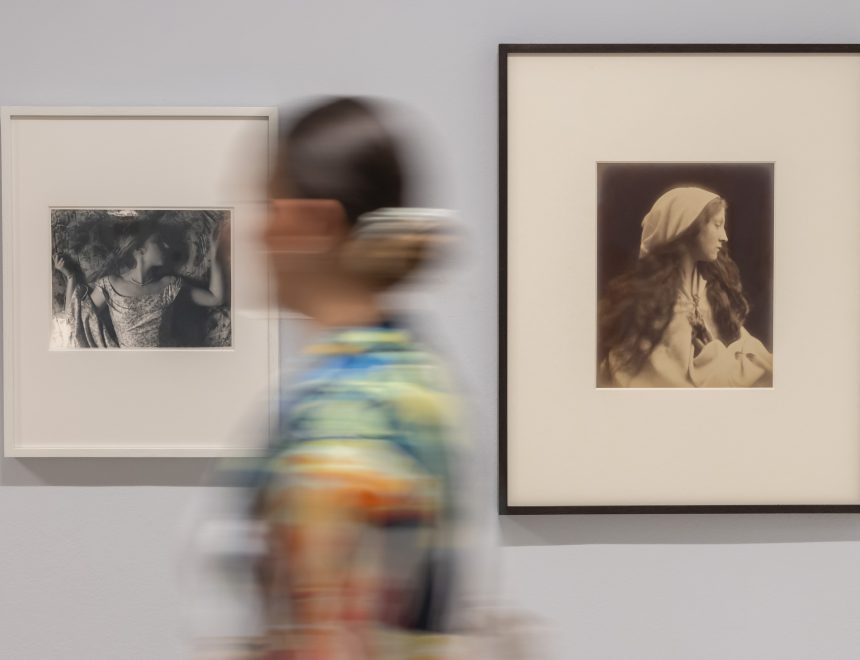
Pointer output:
710, 240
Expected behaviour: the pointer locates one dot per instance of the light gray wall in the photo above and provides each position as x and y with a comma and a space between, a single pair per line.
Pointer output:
89, 548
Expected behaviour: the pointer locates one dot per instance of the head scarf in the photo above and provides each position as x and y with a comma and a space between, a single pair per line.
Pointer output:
671, 214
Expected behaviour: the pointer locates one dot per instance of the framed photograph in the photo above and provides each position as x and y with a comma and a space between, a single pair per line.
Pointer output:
679, 287
99, 250
141, 226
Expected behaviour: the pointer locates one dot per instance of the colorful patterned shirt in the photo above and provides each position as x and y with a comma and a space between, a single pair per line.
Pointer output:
357, 499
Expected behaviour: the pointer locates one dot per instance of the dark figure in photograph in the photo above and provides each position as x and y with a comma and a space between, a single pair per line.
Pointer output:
135, 289
677, 318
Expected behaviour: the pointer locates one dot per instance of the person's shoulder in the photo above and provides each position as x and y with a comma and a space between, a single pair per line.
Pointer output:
419, 383
171, 284
105, 282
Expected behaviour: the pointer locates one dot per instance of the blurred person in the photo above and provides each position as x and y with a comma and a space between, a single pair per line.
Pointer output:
677, 319
355, 493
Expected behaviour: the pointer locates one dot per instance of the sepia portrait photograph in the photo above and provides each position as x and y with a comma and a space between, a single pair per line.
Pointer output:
662, 274
685, 275
140, 278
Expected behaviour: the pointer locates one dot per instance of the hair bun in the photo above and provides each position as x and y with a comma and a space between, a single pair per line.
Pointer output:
388, 244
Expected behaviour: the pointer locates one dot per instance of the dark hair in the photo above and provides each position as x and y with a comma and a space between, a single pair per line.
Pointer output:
340, 150
127, 236
638, 305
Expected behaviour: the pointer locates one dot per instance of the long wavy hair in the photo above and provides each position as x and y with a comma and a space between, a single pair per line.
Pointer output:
638, 305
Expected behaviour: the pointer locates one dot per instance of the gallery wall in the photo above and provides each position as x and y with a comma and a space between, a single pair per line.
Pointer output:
91, 550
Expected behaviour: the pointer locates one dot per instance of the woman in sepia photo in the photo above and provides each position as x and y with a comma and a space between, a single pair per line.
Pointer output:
677, 318
136, 290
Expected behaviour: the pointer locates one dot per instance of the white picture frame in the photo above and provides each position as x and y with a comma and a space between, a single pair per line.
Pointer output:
165, 402
569, 446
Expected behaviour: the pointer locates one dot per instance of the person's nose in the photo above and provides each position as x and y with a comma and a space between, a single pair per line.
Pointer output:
724, 238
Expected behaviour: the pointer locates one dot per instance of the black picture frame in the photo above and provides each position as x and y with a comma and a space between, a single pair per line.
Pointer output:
505, 51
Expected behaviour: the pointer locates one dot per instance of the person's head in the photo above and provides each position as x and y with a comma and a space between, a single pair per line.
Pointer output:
688, 216
139, 242
338, 164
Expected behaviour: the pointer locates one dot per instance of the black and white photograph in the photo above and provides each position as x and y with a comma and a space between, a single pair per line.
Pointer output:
685, 275
140, 278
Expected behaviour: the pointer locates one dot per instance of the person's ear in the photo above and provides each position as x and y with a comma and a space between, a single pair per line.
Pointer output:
305, 226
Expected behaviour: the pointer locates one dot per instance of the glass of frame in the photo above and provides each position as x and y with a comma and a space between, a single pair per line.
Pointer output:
115, 346
679, 286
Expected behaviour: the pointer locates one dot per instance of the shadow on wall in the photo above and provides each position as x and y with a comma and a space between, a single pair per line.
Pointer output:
106, 471
678, 529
